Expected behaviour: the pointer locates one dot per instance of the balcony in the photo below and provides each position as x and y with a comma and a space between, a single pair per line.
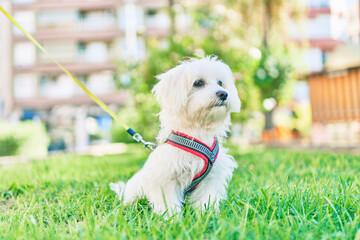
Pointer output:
73, 34
326, 44
41, 5
76, 68
46, 90
314, 12
157, 32
117, 98
81, 57
65, 25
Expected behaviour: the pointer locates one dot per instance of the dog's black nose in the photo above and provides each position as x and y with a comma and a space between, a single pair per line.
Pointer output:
222, 95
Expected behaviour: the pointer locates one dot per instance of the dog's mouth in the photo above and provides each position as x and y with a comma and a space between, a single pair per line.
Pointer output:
218, 104
222, 104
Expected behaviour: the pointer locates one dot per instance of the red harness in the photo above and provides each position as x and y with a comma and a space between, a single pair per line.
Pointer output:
198, 148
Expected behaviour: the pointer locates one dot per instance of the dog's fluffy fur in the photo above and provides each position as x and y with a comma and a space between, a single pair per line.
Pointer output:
199, 113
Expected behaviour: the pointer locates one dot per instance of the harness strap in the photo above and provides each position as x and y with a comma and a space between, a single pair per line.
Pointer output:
198, 148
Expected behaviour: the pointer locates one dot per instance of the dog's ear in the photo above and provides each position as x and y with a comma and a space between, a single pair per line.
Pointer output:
171, 90
235, 103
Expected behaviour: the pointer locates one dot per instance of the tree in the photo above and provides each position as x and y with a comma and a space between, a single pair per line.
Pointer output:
275, 72
274, 79
228, 29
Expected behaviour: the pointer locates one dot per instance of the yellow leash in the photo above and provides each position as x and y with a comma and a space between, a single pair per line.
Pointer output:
137, 137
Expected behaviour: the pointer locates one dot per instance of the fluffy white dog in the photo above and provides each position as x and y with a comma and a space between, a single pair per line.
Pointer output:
196, 99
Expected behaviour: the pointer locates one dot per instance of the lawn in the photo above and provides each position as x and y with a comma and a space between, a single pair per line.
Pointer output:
274, 194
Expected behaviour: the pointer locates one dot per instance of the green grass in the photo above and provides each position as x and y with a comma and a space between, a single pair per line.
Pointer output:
274, 194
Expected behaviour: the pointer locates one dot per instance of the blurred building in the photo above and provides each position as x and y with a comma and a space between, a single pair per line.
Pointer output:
334, 64
89, 37
329, 24
335, 102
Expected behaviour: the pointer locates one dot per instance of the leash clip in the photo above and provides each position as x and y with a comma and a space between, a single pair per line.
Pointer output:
149, 145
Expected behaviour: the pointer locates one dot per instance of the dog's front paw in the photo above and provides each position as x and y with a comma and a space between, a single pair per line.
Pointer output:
167, 211
118, 188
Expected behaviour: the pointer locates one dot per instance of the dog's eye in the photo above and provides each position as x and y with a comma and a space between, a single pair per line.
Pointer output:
199, 83
220, 83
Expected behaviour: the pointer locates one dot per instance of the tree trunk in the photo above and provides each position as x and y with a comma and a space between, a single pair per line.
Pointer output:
269, 123
267, 22
172, 15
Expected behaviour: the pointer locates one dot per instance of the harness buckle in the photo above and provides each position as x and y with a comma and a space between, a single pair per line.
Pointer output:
149, 145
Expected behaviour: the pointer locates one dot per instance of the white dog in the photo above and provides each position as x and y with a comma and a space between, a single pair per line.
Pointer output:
196, 99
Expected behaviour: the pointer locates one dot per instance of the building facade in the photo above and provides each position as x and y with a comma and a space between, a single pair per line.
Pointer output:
328, 24
89, 38
334, 79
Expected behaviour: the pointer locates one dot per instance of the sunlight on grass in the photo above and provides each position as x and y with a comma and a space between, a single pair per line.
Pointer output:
274, 194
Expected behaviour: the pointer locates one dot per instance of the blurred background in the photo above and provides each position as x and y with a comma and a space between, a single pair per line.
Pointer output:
296, 65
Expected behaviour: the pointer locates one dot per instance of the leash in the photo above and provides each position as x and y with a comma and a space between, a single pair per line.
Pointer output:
136, 136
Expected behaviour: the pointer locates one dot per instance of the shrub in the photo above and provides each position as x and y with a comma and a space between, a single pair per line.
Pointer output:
31, 137
9, 146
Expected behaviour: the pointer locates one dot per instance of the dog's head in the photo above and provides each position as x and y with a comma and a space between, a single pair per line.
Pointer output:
199, 91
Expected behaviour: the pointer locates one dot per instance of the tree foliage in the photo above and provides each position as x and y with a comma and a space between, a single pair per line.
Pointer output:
225, 28
274, 75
